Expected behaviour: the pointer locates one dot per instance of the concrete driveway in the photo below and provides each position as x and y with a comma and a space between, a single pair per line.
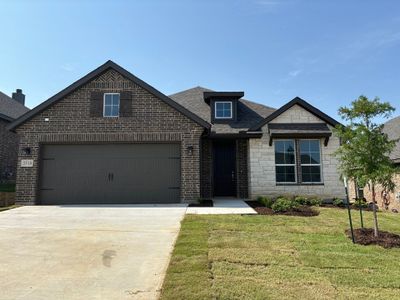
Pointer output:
86, 252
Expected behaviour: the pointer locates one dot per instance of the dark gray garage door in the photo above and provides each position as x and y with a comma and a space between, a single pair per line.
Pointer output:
110, 174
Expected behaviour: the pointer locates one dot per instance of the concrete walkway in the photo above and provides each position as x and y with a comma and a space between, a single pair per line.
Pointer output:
86, 252
223, 206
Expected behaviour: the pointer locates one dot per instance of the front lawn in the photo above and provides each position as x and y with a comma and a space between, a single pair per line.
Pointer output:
280, 257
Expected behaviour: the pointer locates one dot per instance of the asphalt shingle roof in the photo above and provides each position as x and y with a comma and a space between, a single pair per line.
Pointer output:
248, 113
11, 108
392, 129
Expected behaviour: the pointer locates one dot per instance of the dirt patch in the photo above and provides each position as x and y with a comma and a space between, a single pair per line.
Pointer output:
203, 203
302, 211
365, 236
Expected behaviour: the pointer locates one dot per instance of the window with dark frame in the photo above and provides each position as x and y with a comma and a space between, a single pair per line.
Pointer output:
111, 105
223, 110
285, 161
308, 161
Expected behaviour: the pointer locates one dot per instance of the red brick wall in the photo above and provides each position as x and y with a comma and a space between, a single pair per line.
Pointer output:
392, 198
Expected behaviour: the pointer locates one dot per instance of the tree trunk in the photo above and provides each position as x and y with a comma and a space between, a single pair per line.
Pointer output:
376, 230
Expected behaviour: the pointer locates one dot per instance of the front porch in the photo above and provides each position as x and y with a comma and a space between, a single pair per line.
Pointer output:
223, 206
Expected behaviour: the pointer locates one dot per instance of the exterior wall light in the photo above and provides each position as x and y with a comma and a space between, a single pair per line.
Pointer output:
26, 151
190, 150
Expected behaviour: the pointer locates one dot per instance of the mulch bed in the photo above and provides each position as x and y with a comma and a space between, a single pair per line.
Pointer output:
302, 211
365, 236
344, 207
204, 203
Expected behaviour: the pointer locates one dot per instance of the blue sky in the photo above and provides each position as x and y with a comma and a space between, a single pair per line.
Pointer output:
327, 52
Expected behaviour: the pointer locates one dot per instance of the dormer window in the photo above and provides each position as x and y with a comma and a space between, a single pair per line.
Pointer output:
223, 109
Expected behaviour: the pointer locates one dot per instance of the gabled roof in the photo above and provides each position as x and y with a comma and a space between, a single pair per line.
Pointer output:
248, 112
10, 109
92, 75
392, 129
296, 101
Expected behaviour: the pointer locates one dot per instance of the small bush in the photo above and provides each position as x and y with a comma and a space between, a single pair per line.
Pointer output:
311, 201
284, 205
314, 201
266, 201
301, 200
360, 203
338, 202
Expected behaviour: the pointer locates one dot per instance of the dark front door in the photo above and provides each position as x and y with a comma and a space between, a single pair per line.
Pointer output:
225, 168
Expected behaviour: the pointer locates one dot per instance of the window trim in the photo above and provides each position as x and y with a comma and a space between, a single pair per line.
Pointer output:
215, 110
298, 164
104, 105
287, 165
312, 165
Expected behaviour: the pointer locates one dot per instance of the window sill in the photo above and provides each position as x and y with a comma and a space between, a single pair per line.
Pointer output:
297, 184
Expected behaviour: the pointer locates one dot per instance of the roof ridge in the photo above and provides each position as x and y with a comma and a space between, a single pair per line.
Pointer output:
93, 74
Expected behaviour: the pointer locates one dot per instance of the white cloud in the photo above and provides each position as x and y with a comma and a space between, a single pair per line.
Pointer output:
295, 73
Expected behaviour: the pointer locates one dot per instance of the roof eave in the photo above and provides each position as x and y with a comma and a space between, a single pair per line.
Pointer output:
315, 111
6, 118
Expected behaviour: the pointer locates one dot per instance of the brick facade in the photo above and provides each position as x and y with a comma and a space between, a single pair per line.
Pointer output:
69, 121
242, 169
8, 153
262, 163
207, 168
385, 202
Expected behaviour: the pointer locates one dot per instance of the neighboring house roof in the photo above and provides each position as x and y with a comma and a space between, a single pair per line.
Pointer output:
248, 113
10, 109
90, 76
392, 129
296, 101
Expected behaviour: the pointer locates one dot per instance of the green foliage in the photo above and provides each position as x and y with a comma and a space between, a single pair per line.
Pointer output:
338, 202
284, 204
364, 151
265, 201
360, 203
309, 201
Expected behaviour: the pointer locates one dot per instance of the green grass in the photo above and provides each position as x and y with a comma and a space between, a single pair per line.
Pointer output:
7, 187
280, 257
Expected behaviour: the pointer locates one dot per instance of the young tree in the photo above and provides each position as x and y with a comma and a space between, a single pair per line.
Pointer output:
364, 151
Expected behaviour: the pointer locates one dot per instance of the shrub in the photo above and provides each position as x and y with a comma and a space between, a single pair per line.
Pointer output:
266, 201
284, 205
314, 201
311, 201
301, 200
360, 202
338, 202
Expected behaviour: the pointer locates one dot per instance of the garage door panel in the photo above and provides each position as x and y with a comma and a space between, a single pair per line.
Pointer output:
110, 174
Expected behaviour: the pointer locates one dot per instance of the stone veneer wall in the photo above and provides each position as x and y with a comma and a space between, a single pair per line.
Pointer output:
8, 153
262, 163
70, 122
